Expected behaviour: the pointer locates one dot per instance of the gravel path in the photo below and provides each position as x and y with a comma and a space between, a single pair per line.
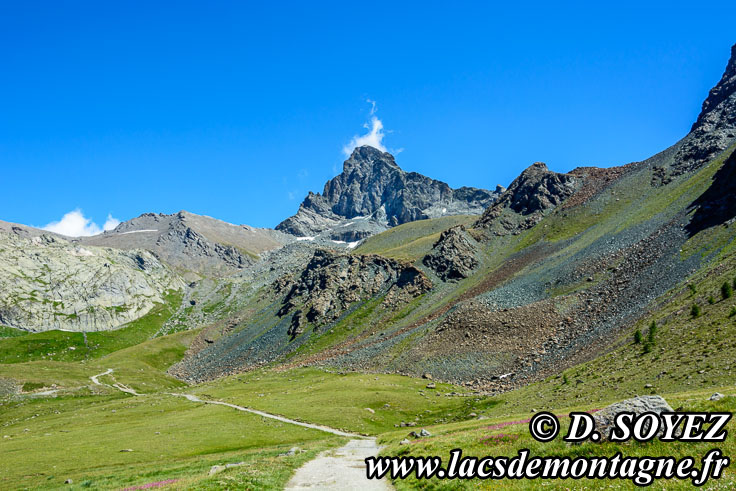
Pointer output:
341, 469
116, 385
326, 429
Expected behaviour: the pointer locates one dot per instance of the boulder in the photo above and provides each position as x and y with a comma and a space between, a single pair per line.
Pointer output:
604, 419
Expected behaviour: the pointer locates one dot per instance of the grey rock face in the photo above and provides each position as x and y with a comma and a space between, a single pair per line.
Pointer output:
373, 187
715, 128
333, 281
604, 419
536, 191
453, 255
47, 283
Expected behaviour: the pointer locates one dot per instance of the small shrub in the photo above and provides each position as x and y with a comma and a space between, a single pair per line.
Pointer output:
711, 300
693, 290
31, 386
726, 291
564, 379
695, 310
733, 312
638, 337
652, 332
647, 347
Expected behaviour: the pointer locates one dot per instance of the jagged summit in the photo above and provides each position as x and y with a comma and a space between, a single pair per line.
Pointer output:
368, 156
711, 112
373, 193
715, 129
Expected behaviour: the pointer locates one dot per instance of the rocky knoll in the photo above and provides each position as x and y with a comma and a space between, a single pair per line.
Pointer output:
333, 281
715, 128
47, 282
532, 195
373, 193
453, 255
190, 242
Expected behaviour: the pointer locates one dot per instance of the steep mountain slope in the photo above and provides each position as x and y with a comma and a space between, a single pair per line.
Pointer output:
48, 283
549, 276
192, 243
373, 193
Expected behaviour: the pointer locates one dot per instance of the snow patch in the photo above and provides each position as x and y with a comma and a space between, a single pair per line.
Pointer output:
353, 245
305, 238
138, 231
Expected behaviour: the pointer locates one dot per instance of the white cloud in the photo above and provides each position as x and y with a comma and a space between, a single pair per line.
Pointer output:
374, 137
75, 224
110, 223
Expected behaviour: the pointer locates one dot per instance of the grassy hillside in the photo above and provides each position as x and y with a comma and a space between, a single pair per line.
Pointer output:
363, 403
117, 441
73, 346
411, 241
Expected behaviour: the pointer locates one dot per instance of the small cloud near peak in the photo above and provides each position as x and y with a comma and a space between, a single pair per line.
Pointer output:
75, 224
374, 137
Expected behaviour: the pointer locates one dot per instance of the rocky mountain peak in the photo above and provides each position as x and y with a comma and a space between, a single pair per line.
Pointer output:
715, 129
718, 94
373, 193
367, 158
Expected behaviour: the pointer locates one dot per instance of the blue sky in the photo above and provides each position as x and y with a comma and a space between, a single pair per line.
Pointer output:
236, 110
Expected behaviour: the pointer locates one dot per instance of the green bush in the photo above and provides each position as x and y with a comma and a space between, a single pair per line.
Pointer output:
652, 332
733, 312
711, 300
647, 347
726, 290
695, 310
637, 336
693, 290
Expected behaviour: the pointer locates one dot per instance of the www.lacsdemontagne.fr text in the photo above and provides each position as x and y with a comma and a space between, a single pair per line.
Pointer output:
642, 471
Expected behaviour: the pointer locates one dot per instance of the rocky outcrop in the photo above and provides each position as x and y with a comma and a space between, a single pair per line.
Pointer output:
49, 283
715, 129
373, 193
533, 194
190, 242
453, 256
332, 282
